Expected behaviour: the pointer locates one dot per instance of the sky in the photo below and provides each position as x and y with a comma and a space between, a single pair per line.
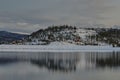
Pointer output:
27, 16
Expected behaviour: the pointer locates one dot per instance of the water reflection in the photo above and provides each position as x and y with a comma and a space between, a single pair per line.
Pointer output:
65, 61
8, 60
112, 60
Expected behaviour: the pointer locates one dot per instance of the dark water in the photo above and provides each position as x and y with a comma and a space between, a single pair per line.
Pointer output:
60, 66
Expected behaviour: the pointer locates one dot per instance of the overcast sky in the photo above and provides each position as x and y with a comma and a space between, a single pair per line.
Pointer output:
30, 15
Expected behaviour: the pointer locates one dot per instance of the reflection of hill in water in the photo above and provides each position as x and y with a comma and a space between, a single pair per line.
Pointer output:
112, 61
51, 61
57, 61
63, 65
64, 61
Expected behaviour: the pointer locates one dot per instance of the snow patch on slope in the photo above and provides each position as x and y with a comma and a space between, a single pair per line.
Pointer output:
83, 33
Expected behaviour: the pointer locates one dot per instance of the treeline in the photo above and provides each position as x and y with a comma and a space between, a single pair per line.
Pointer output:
54, 29
55, 33
110, 36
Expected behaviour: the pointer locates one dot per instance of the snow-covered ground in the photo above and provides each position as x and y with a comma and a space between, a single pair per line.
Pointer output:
75, 36
83, 33
57, 47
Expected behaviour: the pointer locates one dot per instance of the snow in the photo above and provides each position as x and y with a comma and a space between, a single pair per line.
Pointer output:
21, 33
69, 35
57, 47
83, 33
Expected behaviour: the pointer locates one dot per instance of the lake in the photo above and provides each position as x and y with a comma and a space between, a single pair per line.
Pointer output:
60, 66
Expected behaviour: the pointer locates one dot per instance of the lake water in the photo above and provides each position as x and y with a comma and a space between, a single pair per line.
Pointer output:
60, 66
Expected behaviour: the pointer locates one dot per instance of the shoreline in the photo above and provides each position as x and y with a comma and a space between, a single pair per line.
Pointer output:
57, 48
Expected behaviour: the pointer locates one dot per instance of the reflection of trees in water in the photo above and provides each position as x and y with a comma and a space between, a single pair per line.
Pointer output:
51, 61
106, 59
65, 61
51, 64
57, 61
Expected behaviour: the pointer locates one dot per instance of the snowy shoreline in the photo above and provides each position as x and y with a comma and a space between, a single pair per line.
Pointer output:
57, 48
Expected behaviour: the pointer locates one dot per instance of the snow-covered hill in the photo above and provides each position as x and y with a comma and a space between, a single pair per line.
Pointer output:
72, 35
63, 33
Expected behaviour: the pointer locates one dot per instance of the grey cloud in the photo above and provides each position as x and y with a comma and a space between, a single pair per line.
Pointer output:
48, 12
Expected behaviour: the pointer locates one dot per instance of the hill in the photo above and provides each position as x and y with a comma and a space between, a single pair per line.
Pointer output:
8, 37
64, 33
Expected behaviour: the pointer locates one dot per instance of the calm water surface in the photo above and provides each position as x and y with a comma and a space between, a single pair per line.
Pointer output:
60, 66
